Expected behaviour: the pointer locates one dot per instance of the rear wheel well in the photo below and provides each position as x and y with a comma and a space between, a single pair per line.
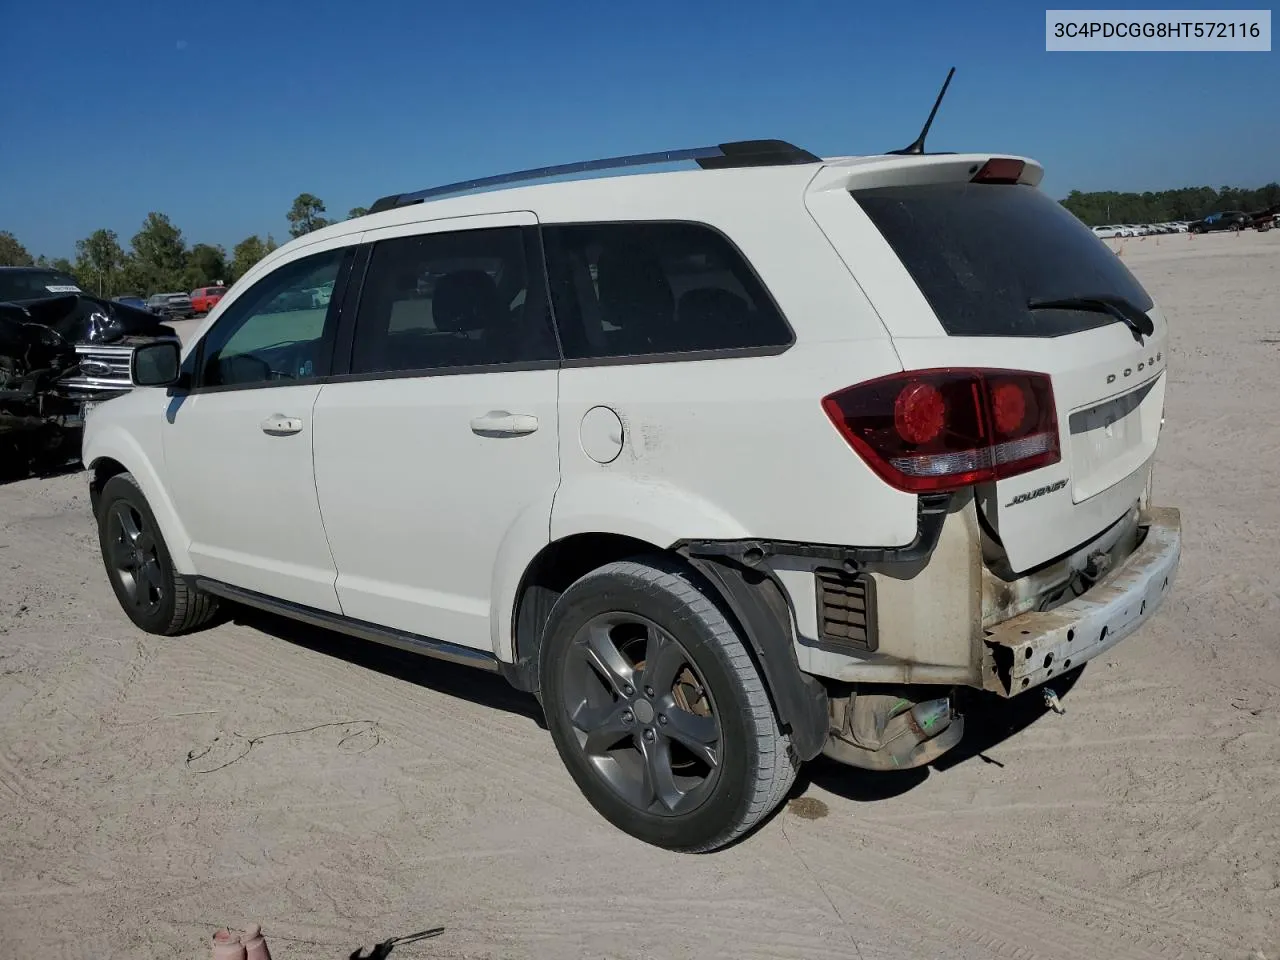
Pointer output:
104, 468
551, 573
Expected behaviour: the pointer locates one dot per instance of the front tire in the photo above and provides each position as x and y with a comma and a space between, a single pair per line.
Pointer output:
658, 710
139, 566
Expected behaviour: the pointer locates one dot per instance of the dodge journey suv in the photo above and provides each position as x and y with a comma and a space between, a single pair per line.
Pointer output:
729, 467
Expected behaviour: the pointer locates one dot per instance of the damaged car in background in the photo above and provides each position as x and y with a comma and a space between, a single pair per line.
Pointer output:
62, 352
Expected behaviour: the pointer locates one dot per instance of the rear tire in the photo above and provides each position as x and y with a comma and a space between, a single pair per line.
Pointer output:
139, 565
658, 710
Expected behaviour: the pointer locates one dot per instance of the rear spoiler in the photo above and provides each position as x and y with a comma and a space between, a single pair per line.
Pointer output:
864, 173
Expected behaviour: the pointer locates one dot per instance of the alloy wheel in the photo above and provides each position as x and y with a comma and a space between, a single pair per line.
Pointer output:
642, 714
134, 557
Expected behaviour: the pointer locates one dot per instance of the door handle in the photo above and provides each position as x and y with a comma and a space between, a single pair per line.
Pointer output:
499, 423
278, 425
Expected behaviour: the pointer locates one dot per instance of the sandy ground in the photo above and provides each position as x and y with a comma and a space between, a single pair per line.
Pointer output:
338, 794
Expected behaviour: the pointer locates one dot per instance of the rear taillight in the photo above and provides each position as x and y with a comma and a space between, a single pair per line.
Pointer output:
931, 430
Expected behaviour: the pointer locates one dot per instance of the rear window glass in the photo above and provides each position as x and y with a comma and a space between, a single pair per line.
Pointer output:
979, 252
636, 289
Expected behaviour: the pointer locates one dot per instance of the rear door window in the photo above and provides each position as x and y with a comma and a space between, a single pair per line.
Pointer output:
644, 289
449, 300
980, 252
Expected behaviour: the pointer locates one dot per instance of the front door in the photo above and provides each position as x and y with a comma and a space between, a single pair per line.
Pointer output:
437, 458
238, 446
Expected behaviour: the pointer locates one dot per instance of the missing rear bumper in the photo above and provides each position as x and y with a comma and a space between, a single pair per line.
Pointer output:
1029, 649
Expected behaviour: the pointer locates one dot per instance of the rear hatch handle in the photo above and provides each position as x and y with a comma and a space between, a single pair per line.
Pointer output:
1127, 313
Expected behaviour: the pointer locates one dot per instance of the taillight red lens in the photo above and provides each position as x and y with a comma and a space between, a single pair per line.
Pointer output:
919, 413
1008, 406
932, 430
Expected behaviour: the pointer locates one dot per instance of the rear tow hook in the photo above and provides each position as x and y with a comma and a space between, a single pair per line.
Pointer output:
1052, 702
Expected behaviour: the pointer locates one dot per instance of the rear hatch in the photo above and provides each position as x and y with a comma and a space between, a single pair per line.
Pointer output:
971, 265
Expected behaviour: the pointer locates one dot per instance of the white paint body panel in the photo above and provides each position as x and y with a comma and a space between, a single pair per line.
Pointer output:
718, 450
126, 429
431, 524
422, 513
1050, 525
248, 498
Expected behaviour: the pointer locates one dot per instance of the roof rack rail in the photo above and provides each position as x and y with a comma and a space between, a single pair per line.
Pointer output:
741, 153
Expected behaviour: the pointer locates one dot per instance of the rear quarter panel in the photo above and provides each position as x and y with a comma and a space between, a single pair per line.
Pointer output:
734, 446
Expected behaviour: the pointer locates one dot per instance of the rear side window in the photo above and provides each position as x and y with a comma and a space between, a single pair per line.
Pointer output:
634, 289
459, 299
979, 252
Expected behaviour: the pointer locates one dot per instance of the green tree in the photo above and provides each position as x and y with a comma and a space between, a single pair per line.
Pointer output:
159, 253
12, 253
99, 262
63, 265
1161, 206
206, 266
136, 279
306, 215
357, 212
248, 252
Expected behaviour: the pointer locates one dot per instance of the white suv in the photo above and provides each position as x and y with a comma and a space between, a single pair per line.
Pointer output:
729, 467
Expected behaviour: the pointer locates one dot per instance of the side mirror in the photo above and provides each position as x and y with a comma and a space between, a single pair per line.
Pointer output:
155, 364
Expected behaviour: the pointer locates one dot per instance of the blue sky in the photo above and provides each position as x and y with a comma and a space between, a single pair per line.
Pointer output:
219, 114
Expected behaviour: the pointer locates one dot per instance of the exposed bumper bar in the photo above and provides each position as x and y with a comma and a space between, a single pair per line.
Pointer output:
1029, 649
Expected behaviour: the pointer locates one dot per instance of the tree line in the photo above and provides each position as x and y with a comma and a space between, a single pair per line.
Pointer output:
1189, 203
158, 259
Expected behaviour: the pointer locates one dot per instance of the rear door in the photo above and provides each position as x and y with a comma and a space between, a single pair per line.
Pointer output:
437, 454
956, 269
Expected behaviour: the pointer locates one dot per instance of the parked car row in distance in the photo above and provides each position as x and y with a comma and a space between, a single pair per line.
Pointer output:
1260, 220
178, 306
1114, 231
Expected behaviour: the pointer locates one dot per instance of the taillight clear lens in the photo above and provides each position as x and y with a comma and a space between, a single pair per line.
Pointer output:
932, 430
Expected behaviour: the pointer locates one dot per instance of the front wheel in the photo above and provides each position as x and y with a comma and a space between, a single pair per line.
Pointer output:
657, 709
139, 566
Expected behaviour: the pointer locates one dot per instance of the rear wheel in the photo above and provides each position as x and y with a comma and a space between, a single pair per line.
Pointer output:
139, 566
657, 709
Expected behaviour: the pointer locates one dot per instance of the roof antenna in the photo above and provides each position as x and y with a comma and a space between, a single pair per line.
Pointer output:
917, 147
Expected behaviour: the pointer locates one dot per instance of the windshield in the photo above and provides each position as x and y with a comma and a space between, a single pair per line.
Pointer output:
33, 284
980, 252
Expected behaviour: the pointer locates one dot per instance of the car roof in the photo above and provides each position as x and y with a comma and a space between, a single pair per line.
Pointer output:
663, 195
